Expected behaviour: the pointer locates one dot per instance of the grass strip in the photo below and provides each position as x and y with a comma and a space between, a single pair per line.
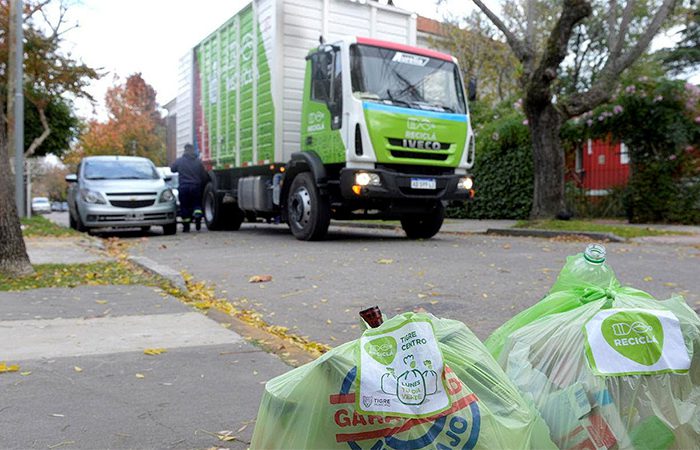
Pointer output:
623, 231
40, 226
72, 275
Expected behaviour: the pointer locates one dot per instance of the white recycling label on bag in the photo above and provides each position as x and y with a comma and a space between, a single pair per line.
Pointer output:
401, 371
635, 341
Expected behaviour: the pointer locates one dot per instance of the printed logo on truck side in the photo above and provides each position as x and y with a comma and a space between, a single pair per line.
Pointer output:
622, 341
455, 428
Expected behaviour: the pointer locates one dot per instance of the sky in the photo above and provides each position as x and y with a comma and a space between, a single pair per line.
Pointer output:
123, 37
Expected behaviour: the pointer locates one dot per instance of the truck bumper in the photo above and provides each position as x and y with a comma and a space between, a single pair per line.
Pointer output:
398, 186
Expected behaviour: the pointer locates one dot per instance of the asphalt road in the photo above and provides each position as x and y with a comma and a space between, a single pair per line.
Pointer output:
318, 288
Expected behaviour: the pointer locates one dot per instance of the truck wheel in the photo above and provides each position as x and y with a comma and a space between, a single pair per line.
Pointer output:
308, 213
218, 216
424, 226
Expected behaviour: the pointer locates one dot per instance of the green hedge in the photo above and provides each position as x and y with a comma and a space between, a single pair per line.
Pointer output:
503, 177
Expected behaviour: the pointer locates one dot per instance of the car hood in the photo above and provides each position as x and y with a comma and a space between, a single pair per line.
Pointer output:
125, 185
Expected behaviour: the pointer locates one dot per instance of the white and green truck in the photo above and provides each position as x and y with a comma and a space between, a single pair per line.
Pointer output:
302, 119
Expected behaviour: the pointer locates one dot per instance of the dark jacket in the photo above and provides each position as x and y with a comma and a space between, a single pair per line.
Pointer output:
191, 170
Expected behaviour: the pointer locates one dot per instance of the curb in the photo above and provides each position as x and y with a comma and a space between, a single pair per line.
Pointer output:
375, 226
161, 270
533, 232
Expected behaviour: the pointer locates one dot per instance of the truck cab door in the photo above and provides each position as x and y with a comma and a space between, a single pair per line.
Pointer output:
323, 106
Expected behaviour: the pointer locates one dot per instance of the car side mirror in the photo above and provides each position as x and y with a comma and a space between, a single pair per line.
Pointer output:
167, 178
72, 178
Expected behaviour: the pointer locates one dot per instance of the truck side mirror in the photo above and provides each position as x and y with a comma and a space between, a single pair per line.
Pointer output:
72, 178
472, 89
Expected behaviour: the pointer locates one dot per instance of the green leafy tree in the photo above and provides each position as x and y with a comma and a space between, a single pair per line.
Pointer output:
134, 126
49, 75
540, 32
659, 121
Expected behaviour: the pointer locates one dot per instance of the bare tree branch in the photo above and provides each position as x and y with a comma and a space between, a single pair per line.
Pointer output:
522, 52
603, 86
621, 34
42, 137
557, 47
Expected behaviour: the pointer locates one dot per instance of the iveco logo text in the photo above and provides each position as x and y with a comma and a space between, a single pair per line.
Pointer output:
426, 145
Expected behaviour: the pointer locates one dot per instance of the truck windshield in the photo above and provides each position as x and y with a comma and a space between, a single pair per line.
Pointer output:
120, 170
405, 79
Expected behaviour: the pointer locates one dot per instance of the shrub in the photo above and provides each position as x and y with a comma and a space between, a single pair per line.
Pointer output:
503, 177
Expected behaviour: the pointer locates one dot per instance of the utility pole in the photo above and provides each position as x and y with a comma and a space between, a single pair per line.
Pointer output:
15, 110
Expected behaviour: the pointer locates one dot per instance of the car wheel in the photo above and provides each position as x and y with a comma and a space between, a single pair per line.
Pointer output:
169, 229
79, 226
71, 222
145, 228
424, 226
308, 213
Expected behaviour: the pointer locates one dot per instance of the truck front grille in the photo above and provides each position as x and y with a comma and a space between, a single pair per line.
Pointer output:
419, 155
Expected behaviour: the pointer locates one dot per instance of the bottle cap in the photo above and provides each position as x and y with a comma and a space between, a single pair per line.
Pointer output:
373, 316
595, 253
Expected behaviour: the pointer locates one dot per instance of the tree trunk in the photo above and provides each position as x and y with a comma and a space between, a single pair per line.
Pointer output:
548, 157
13, 254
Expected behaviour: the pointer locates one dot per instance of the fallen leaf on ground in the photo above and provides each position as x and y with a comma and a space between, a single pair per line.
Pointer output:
101, 302
226, 436
648, 278
669, 284
11, 368
154, 351
260, 279
27, 373
433, 302
77, 369
140, 375
385, 261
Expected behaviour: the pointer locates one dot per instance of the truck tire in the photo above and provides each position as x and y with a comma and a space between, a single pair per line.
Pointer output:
424, 226
218, 216
308, 213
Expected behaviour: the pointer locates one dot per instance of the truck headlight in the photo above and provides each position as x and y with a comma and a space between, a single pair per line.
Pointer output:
166, 196
465, 183
367, 179
95, 197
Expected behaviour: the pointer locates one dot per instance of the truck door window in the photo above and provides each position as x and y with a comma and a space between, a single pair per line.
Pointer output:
326, 83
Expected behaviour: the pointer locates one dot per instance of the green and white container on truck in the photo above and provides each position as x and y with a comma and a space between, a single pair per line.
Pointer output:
300, 124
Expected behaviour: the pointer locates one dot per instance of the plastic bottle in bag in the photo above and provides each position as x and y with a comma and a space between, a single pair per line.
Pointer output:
588, 267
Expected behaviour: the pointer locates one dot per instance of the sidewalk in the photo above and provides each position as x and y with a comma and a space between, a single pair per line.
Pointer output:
85, 382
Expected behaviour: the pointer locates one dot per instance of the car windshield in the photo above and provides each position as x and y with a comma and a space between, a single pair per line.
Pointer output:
405, 79
41, 200
120, 170
174, 181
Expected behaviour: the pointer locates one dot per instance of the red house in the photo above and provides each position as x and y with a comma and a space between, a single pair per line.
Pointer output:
600, 165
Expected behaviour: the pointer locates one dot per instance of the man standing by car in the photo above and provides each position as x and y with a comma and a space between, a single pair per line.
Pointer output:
193, 178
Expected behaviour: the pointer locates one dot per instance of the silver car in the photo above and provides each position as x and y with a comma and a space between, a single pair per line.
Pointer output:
119, 192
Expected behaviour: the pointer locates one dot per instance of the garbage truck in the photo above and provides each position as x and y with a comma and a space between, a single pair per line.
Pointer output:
310, 110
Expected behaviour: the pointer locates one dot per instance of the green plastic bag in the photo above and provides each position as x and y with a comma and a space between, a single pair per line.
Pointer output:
414, 382
607, 366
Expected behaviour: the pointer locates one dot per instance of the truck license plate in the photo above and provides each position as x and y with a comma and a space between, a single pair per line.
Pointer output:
423, 183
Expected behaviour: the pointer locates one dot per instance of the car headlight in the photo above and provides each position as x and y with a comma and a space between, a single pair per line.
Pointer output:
89, 196
367, 179
465, 183
166, 196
